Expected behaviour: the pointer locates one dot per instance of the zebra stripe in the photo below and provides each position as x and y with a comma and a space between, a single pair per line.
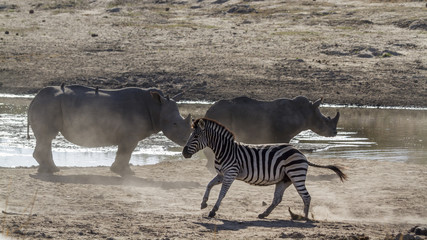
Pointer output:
266, 165
255, 164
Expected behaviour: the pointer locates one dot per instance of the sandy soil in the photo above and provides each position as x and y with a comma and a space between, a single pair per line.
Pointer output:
349, 52
379, 201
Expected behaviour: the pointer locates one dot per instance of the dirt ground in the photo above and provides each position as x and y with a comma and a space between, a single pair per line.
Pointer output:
349, 52
162, 201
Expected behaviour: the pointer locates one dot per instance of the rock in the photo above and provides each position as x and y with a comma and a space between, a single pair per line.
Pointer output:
5, 7
408, 236
418, 25
412, 24
243, 8
220, 1
365, 55
294, 235
114, 10
420, 231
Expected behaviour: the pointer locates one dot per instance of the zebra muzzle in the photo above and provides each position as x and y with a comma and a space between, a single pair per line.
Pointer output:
185, 153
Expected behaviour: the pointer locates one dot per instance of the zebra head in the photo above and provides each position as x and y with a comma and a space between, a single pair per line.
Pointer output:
197, 140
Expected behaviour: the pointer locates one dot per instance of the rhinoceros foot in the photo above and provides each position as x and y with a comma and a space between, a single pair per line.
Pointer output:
122, 171
47, 169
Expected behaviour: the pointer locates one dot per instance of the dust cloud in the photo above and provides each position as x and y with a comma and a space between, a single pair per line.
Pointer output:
163, 200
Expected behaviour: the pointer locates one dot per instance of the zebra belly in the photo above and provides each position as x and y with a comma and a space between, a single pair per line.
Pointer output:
261, 180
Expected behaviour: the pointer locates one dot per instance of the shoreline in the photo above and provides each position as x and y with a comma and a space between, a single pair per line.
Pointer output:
207, 102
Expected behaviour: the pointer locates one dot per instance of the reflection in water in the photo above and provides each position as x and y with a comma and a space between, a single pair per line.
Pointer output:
363, 133
381, 134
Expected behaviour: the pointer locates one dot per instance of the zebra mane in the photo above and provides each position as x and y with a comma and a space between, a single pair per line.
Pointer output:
211, 122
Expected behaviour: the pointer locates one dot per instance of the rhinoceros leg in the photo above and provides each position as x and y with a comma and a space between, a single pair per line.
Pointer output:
121, 163
43, 155
210, 156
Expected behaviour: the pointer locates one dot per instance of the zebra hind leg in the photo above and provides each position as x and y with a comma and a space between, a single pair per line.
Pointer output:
306, 199
278, 195
302, 191
297, 174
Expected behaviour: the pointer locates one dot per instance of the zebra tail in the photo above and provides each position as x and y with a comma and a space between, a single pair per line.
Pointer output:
334, 168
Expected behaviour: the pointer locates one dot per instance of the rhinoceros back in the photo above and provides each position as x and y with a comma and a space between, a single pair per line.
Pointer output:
254, 121
248, 119
91, 117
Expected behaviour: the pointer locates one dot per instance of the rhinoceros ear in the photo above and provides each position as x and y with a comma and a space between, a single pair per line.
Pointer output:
201, 124
156, 96
317, 103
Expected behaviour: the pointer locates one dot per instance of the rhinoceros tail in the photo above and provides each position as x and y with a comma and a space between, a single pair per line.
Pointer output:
334, 168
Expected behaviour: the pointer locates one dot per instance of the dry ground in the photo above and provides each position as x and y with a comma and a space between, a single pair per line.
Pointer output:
379, 201
349, 52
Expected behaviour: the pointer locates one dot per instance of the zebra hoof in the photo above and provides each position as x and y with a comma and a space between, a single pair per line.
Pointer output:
203, 205
262, 216
212, 214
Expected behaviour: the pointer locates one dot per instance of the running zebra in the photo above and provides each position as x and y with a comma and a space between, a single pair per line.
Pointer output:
260, 165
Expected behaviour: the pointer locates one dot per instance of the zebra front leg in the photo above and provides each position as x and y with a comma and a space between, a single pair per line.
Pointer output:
227, 181
215, 181
278, 195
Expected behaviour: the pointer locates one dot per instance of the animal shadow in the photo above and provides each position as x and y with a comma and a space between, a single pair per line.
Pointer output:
114, 181
239, 225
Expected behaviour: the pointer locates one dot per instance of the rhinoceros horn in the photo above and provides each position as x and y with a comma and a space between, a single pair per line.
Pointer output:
178, 96
317, 103
335, 119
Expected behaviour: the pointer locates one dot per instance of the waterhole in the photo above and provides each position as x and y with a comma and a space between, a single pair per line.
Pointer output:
385, 134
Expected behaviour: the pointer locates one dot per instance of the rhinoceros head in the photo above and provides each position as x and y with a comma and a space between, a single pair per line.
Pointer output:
324, 126
171, 123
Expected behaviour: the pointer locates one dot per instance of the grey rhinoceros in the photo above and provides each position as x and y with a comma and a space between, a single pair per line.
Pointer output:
93, 118
278, 121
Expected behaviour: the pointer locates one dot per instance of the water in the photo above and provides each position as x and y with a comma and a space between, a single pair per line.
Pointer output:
364, 133
377, 134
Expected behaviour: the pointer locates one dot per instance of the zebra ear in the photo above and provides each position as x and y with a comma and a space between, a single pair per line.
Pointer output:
201, 124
